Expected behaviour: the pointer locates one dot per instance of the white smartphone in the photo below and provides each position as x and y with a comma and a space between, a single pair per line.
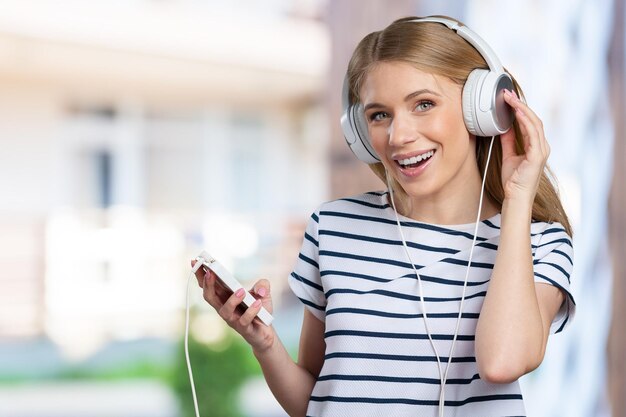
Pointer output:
230, 282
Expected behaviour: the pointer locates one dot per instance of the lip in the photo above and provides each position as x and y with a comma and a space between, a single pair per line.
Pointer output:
415, 172
411, 155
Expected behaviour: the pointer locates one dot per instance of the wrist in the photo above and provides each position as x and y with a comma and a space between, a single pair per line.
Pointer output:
266, 346
519, 194
517, 209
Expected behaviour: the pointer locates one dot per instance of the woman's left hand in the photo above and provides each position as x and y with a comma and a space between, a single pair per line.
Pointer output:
521, 173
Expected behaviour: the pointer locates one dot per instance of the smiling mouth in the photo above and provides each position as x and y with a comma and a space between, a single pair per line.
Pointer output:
415, 161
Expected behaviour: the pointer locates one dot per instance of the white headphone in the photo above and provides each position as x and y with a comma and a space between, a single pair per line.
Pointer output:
484, 110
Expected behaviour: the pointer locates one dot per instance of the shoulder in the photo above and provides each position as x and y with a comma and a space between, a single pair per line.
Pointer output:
549, 237
542, 232
370, 203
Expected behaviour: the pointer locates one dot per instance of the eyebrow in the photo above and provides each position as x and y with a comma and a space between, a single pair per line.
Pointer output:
407, 98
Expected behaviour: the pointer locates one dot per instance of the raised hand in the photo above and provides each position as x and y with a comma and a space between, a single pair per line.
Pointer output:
521, 173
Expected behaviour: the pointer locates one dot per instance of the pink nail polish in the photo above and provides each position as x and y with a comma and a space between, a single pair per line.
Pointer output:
240, 292
262, 292
256, 303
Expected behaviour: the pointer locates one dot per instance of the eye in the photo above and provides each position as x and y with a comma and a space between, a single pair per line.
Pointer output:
424, 105
378, 116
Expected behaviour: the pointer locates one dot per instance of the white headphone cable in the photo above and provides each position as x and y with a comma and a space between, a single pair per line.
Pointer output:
419, 280
193, 387
469, 263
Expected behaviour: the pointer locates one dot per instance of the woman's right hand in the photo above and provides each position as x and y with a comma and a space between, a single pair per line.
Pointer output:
257, 334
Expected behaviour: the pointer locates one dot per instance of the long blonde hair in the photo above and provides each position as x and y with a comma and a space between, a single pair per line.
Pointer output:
433, 48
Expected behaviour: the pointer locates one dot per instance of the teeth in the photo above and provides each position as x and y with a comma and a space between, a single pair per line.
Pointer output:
417, 158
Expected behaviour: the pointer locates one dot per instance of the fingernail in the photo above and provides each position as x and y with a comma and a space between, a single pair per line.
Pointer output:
262, 291
240, 292
256, 303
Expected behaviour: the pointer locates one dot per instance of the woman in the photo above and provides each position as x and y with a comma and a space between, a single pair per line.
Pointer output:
426, 299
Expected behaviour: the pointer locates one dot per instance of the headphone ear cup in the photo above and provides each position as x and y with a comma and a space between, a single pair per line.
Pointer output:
470, 97
362, 148
356, 135
354, 128
485, 111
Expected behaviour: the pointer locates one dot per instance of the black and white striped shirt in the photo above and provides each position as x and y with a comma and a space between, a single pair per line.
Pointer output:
353, 274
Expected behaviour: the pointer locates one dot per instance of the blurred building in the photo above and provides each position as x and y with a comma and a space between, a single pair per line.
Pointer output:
136, 133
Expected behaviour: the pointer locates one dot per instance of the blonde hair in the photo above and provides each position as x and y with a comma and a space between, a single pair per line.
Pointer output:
433, 48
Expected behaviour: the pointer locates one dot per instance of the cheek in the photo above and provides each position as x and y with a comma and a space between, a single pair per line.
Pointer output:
457, 143
453, 124
378, 139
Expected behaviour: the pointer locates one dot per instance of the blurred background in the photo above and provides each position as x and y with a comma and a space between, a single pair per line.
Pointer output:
135, 133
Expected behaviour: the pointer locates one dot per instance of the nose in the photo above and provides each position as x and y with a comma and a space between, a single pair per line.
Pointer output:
401, 130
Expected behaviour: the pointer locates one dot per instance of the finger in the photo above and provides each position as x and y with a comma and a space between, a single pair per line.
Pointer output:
530, 135
209, 291
246, 318
261, 289
537, 123
219, 289
263, 292
530, 124
228, 310
514, 101
507, 140
527, 128
199, 273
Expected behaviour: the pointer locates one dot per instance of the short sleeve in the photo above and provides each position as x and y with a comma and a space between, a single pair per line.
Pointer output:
305, 280
553, 264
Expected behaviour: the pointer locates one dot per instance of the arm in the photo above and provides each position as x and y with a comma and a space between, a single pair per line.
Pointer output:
293, 383
514, 324
290, 383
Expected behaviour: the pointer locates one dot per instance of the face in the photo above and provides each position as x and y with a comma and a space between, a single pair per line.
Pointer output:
415, 123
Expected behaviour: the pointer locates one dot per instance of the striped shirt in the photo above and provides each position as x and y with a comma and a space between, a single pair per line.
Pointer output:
353, 274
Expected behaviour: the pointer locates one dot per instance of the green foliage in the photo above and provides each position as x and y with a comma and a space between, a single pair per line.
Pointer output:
139, 369
219, 371
134, 368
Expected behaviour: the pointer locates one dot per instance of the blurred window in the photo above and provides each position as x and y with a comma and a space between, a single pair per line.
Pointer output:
247, 156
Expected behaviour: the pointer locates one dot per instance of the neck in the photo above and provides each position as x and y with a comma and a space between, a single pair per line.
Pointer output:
447, 214
457, 203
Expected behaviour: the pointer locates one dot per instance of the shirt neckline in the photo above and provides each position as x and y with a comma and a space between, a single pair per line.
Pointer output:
489, 222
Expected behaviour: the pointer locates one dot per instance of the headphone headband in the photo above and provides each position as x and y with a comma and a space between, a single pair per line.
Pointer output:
470, 36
